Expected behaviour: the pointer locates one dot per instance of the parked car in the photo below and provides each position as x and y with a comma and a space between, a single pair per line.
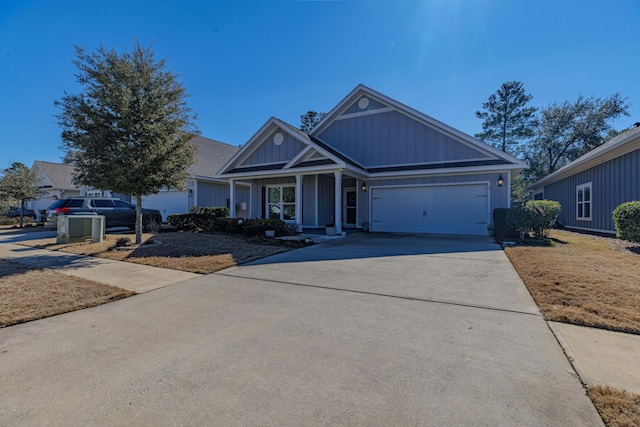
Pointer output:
15, 213
117, 213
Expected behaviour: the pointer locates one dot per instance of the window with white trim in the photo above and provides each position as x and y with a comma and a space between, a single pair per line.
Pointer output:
583, 201
95, 194
281, 202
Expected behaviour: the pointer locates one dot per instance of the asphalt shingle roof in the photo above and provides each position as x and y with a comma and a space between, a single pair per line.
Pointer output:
211, 156
60, 175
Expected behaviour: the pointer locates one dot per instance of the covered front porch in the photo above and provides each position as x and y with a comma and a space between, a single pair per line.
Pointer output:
308, 200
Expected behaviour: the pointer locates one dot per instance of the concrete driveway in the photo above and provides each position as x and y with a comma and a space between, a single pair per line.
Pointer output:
367, 330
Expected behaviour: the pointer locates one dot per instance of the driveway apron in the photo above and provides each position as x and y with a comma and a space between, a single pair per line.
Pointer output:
367, 330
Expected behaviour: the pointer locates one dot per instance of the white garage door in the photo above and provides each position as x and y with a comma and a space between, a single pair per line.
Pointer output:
167, 202
445, 209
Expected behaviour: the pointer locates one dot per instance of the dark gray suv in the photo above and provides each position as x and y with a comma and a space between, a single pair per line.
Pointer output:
118, 213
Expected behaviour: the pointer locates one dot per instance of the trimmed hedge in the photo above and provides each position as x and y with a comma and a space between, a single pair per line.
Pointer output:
538, 216
543, 215
626, 217
198, 217
218, 212
501, 229
208, 221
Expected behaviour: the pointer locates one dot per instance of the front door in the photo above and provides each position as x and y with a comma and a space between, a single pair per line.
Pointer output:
350, 204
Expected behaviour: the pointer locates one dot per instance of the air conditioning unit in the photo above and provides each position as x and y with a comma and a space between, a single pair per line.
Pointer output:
80, 228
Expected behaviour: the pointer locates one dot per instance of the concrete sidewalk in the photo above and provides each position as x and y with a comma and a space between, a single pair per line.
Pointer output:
133, 277
601, 357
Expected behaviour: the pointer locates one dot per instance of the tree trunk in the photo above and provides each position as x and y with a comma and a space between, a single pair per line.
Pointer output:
138, 219
21, 212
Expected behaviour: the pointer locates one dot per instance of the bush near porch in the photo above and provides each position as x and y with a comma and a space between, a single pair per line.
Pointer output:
217, 219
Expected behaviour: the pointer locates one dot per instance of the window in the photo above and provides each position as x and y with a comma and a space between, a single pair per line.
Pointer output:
95, 194
584, 202
538, 196
123, 205
102, 203
281, 203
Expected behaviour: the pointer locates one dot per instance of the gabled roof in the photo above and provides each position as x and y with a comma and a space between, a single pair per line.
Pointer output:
58, 175
361, 90
211, 156
330, 157
618, 146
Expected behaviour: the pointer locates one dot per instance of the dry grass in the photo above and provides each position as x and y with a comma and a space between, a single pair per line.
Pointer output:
582, 281
616, 407
32, 293
195, 252
27, 227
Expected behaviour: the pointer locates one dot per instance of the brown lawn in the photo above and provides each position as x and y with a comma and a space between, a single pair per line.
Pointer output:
616, 407
28, 293
195, 252
583, 280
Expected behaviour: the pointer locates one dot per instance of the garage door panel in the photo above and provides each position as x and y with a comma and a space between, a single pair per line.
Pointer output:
448, 209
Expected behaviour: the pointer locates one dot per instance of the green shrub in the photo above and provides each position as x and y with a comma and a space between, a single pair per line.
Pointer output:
626, 217
538, 216
218, 212
543, 216
501, 230
519, 219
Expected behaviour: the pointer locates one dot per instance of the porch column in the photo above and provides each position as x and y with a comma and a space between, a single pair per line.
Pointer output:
338, 201
232, 198
298, 203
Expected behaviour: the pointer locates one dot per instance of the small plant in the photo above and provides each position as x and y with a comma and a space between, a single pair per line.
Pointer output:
626, 217
150, 222
330, 224
122, 242
365, 225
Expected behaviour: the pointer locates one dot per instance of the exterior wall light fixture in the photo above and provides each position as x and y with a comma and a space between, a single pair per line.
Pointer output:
500, 181
364, 186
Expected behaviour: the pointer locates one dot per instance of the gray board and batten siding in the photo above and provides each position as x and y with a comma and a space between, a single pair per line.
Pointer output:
215, 194
268, 152
367, 138
612, 183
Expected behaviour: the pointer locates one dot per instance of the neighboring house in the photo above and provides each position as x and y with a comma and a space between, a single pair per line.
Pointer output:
590, 187
203, 189
55, 182
373, 160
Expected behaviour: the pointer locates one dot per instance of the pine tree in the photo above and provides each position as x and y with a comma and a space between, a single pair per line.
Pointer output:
507, 120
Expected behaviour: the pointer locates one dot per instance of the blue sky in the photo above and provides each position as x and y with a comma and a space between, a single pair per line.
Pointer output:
245, 61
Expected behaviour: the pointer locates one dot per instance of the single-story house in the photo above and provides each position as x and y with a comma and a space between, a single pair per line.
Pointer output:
592, 186
203, 188
372, 161
55, 183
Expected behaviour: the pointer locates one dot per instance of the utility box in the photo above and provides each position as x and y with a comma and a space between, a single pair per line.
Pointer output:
80, 228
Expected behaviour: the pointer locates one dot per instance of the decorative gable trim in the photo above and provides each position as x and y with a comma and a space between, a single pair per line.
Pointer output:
364, 113
312, 149
362, 90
